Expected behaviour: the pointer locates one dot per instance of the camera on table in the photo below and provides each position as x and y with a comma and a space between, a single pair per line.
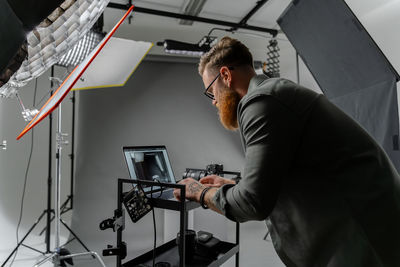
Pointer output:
211, 169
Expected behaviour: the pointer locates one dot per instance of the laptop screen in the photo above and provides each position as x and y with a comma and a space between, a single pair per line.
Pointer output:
149, 163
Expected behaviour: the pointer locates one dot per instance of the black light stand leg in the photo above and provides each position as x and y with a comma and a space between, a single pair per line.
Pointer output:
64, 207
182, 227
34, 249
72, 155
120, 229
237, 243
23, 239
297, 68
50, 179
76, 237
266, 235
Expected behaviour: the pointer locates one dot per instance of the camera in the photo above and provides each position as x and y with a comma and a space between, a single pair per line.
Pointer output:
211, 169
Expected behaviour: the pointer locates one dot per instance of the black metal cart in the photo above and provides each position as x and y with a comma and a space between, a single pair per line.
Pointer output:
169, 251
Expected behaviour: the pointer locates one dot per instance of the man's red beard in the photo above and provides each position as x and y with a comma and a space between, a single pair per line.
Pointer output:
227, 106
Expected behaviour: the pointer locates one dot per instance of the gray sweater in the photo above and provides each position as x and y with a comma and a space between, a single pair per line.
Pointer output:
331, 195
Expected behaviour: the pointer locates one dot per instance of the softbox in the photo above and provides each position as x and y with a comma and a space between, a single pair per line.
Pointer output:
347, 64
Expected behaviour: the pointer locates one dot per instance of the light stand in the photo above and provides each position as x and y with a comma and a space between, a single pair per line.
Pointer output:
47, 211
60, 255
49, 179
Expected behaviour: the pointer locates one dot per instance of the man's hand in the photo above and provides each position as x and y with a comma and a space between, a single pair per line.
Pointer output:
193, 189
215, 181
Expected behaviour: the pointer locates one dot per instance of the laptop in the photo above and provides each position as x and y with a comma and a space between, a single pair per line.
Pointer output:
150, 163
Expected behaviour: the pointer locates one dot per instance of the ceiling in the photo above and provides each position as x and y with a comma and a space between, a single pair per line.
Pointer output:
153, 28
227, 10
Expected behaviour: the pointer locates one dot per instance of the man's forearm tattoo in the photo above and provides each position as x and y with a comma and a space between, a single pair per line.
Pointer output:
195, 188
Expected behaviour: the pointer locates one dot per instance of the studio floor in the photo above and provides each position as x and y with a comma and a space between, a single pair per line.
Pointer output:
254, 251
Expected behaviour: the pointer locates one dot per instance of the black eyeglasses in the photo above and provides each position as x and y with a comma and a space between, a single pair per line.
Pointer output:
209, 94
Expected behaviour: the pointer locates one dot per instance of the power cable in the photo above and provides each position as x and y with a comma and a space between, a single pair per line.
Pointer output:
25, 180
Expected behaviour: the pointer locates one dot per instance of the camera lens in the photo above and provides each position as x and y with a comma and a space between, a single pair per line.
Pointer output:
195, 174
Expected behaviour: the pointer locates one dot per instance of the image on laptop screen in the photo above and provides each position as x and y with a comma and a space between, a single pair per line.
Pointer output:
149, 163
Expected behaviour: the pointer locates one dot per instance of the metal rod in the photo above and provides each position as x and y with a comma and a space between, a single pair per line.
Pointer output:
273, 32
58, 181
34, 249
237, 260
49, 178
253, 11
297, 68
120, 229
72, 156
182, 229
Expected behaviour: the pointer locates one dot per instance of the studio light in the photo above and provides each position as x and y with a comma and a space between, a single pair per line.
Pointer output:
18, 18
70, 81
182, 48
48, 42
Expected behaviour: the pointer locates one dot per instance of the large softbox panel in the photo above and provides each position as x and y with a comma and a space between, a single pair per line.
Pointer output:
347, 64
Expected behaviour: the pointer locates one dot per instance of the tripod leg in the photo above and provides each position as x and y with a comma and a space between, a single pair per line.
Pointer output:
266, 235
92, 253
76, 237
23, 239
46, 259
38, 251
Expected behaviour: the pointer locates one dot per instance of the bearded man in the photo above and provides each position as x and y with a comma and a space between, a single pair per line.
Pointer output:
329, 193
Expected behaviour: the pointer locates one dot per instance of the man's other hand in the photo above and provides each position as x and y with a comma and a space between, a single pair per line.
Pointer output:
215, 181
193, 189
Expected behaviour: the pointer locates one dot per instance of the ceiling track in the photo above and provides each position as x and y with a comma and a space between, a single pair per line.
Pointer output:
253, 11
137, 9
